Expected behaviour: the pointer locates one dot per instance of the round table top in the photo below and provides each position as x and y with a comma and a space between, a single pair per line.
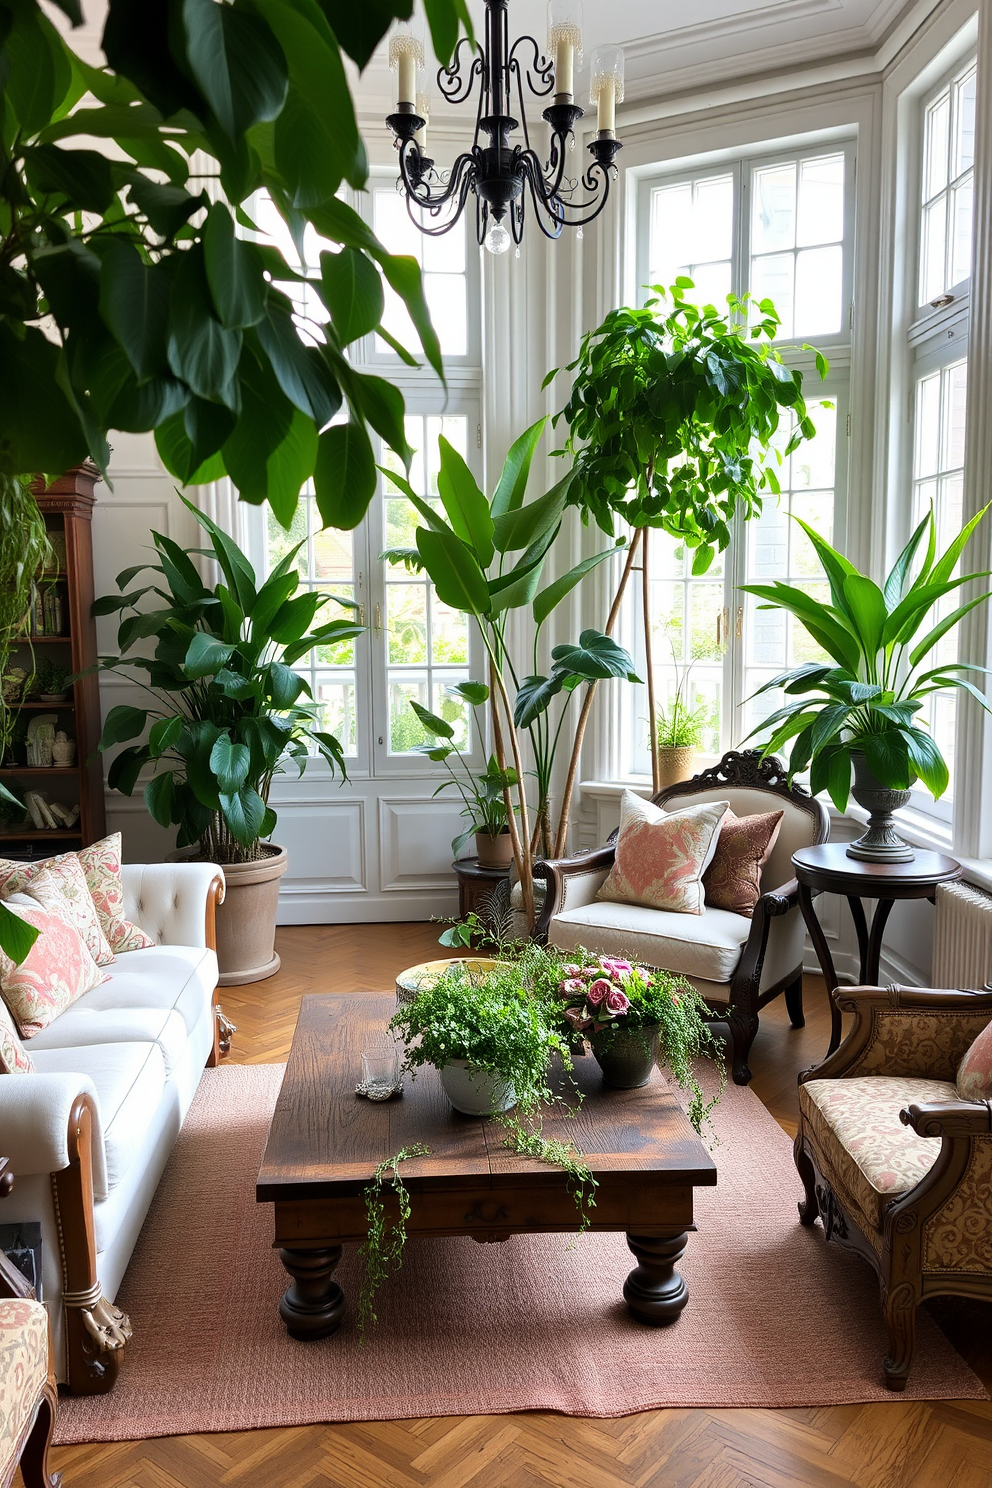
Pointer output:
816, 866
472, 868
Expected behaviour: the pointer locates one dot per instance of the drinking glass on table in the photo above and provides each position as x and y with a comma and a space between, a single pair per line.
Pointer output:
380, 1066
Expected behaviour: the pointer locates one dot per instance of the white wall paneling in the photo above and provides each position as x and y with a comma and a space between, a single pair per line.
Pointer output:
415, 843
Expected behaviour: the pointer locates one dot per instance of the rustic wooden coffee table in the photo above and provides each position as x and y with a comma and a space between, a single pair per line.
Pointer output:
325, 1142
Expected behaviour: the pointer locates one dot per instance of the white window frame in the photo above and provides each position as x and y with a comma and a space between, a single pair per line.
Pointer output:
631, 762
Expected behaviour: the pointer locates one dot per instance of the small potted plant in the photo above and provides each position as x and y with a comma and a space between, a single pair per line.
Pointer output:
490, 1039
635, 1017
679, 732
51, 681
483, 796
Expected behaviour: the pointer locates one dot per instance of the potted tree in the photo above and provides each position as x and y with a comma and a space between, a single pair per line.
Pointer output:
856, 711
228, 713
671, 421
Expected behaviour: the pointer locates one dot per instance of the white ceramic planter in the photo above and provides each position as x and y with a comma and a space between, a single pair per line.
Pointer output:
474, 1092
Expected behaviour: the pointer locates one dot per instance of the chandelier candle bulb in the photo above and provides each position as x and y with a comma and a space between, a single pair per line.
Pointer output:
606, 86
423, 108
565, 43
406, 54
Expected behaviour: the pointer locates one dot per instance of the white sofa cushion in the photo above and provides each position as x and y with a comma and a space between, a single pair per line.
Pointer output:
83, 1026
129, 1080
708, 945
165, 977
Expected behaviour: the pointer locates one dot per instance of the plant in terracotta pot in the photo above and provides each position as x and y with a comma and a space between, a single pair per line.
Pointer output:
637, 1016
228, 713
679, 731
856, 711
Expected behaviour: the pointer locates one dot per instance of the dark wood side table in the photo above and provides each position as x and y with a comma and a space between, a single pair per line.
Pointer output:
828, 869
475, 883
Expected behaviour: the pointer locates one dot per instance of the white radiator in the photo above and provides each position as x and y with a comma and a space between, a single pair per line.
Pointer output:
962, 937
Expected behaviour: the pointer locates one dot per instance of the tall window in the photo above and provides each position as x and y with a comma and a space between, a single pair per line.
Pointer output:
414, 647
779, 227
938, 353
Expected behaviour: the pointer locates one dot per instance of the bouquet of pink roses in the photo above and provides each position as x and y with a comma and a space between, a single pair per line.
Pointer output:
606, 988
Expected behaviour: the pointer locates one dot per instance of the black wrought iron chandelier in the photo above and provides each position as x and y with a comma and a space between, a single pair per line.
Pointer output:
500, 173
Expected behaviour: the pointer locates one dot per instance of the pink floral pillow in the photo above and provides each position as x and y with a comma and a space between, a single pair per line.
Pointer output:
662, 855
56, 970
14, 1058
974, 1079
59, 886
101, 865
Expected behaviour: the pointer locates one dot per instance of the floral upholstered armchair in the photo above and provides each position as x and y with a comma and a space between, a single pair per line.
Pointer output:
894, 1148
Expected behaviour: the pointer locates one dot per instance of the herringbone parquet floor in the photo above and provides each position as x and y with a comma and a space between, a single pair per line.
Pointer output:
897, 1445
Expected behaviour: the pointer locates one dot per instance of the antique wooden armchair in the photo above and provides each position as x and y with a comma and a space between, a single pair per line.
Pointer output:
894, 1163
738, 964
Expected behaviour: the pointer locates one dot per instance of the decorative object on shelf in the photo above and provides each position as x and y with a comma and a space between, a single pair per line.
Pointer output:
14, 679
57, 562
47, 615
635, 1016
639, 457
499, 173
856, 711
215, 747
468, 558
63, 749
40, 739
51, 681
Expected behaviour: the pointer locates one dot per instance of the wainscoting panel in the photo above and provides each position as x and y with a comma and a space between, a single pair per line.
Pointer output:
415, 843
326, 846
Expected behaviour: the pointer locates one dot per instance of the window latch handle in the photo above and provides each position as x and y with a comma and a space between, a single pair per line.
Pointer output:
378, 619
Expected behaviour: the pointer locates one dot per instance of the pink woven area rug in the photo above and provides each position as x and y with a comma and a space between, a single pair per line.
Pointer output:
776, 1317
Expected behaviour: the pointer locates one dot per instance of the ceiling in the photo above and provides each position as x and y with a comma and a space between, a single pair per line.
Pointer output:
670, 45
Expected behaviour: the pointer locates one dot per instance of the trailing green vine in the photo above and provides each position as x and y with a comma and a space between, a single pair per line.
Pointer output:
579, 1178
382, 1253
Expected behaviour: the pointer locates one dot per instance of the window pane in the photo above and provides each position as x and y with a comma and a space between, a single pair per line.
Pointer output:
772, 279
940, 430
936, 126
691, 233
819, 290
964, 123
773, 221
325, 562
933, 250
961, 214
821, 201
443, 260
406, 623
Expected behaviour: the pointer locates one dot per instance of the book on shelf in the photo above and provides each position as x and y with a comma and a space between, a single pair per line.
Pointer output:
49, 816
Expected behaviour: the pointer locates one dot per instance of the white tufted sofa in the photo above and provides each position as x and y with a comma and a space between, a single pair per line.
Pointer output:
90, 1131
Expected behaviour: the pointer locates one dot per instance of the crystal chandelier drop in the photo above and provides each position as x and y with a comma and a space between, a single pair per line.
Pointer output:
499, 172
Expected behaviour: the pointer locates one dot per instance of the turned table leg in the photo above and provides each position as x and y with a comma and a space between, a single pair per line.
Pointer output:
654, 1290
314, 1305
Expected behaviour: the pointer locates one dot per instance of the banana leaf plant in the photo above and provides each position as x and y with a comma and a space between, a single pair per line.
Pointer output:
880, 669
228, 711
470, 553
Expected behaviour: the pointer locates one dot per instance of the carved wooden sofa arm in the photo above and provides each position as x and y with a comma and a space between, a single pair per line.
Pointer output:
912, 1031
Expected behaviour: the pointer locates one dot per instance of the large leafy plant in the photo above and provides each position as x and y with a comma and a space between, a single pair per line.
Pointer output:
470, 552
672, 422
229, 711
127, 298
879, 668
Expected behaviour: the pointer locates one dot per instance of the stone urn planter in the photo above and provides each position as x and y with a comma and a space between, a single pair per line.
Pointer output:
880, 842
246, 921
625, 1055
475, 1092
675, 764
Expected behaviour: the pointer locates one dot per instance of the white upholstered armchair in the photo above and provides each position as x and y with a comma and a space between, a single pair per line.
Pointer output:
737, 964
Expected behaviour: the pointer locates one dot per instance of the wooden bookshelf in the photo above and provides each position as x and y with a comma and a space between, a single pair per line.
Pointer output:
67, 506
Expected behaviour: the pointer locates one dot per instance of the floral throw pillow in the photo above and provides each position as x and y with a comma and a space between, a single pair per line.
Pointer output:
59, 886
14, 1058
733, 879
974, 1079
101, 865
55, 972
661, 856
